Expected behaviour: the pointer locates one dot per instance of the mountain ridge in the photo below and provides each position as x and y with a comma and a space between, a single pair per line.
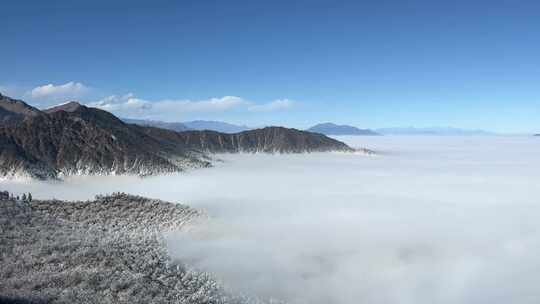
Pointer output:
70, 106
13, 111
213, 125
201, 125
72, 139
266, 140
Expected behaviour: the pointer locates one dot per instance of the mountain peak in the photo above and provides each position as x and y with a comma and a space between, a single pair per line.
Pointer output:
14, 110
69, 107
329, 124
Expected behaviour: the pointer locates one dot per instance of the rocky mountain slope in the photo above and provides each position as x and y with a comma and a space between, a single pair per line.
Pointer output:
109, 250
13, 111
266, 140
333, 129
72, 139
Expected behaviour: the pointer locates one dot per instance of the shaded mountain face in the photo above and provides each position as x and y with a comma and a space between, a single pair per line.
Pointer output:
72, 139
175, 126
13, 111
333, 129
85, 141
265, 140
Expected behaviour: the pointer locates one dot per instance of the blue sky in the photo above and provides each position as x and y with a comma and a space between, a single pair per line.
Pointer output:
470, 64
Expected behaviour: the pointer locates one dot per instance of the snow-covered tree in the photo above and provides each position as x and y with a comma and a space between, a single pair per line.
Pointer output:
109, 250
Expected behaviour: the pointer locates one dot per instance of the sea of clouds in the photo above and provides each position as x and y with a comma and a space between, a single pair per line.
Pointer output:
428, 220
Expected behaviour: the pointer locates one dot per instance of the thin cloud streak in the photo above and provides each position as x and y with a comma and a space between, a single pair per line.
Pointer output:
130, 106
276, 105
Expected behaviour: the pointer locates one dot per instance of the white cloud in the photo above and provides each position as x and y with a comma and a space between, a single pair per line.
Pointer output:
130, 106
276, 105
70, 90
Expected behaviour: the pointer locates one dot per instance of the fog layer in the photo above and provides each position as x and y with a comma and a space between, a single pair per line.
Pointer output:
429, 220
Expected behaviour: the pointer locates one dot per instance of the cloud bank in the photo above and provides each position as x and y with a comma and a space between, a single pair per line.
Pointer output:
433, 220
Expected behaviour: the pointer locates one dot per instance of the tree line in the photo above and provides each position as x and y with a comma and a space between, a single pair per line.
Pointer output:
5, 195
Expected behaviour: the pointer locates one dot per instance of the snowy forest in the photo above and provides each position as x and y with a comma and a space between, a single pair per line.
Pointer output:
109, 250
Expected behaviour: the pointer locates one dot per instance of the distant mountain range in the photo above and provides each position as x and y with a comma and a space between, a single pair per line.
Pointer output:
439, 131
334, 129
72, 139
219, 126
211, 125
175, 126
322, 128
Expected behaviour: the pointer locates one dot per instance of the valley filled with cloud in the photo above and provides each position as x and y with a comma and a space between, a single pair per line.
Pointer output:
426, 220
